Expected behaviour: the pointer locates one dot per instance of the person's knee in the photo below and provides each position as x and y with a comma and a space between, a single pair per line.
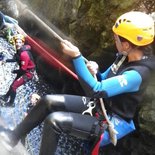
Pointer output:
48, 103
53, 121
46, 100
59, 121
53, 102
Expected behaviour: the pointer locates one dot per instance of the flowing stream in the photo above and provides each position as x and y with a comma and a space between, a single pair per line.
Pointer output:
12, 116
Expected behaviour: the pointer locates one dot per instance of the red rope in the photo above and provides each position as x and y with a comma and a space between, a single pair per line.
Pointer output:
49, 57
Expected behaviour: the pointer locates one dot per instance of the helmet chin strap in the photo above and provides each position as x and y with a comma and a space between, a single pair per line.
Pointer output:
120, 45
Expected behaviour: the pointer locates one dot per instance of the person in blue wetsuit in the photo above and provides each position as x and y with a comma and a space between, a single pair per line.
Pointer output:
121, 86
8, 27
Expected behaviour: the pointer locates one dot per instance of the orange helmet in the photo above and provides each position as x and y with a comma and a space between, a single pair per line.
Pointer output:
135, 26
20, 37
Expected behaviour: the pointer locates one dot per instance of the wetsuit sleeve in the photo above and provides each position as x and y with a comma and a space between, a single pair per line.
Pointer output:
102, 76
24, 60
9, 19
129, 81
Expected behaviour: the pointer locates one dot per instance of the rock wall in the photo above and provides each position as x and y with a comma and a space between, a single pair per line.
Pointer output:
86, 21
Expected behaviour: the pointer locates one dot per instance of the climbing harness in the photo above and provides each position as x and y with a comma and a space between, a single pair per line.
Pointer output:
91, 105
112, 131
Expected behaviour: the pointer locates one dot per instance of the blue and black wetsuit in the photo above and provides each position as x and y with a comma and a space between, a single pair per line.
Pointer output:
123, 90
122, 93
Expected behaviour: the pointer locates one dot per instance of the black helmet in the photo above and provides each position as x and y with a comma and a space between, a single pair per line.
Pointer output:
1, 20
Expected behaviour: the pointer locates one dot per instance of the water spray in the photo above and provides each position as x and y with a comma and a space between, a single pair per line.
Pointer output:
24, 10
38, 47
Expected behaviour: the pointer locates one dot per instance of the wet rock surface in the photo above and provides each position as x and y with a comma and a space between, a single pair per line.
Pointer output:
12, 116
